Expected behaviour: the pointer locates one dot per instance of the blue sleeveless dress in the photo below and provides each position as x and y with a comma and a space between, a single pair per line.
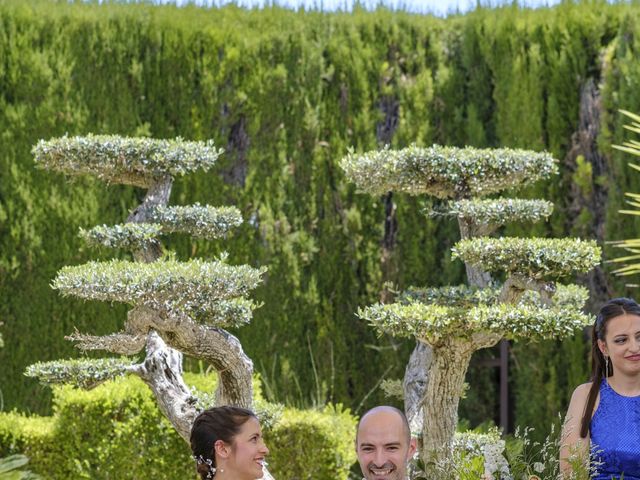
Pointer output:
615, 435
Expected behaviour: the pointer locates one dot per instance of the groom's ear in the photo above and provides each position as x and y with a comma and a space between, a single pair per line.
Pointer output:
413, 445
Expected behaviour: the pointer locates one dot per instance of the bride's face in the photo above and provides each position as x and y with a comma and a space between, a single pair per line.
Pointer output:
248, 452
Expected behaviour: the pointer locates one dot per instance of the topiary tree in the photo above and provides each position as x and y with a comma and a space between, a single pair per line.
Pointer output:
452, 322
178, 307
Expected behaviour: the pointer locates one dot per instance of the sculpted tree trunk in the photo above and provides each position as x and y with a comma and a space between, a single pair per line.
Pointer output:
440, 406
414, 385
453, 322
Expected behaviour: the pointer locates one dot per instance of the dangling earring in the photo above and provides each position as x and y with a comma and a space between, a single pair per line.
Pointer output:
606, 369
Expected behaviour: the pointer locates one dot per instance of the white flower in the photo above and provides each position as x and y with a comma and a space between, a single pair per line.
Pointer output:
494, 461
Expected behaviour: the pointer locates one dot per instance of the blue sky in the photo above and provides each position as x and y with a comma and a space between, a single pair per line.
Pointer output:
438, 7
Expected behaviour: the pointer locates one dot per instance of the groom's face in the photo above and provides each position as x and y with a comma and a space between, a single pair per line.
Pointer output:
384, 446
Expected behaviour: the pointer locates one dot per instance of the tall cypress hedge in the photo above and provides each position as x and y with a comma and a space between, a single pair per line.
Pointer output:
287, 93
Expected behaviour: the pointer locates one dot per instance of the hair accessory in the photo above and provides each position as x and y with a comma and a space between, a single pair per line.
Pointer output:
206, 461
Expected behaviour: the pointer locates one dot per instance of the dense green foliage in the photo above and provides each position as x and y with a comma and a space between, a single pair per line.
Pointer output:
286, 94
434, 317
10, 468
123, 435
499, 211
116, 159
81, 373
536, 258
321, 442
446, 172
630, 264
212, 291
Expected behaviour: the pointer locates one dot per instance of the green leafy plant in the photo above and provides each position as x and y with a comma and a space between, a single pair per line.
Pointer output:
132, 161
10, 468
630, 263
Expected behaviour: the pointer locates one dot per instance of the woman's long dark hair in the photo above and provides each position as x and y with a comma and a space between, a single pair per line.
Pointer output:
612, 309
213, 424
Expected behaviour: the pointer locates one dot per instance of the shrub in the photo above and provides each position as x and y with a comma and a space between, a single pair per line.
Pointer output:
32, 436
303, 437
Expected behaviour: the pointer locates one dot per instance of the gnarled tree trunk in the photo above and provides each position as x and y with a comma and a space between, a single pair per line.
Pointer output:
440, 402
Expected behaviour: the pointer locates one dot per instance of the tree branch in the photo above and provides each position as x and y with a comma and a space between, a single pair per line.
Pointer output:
120, 343
476, 276
470, 229
214, 345
157, 196
162, 372
516, 285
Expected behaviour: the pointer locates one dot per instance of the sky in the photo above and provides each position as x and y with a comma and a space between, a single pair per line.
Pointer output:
436, 7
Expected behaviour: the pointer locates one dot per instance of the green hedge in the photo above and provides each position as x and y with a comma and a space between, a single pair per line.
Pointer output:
117, 431
312, 444
286, 94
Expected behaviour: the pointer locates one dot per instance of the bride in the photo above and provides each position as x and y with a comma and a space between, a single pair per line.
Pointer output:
227, 444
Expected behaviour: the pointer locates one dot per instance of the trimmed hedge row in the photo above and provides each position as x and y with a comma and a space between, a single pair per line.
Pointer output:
116, 431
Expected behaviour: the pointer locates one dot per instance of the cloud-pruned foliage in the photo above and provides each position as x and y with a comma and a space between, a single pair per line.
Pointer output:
210, 291
82, 373
127, 160
535, 258
435, 314
499, 211
202, 221
446, 172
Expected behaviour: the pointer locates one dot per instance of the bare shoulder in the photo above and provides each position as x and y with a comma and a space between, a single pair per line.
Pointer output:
573, 443
579, 398
581, 392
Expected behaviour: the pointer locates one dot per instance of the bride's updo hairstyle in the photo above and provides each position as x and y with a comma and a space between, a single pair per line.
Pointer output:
213, 424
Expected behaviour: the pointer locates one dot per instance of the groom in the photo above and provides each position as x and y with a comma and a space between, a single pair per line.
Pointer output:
384, 444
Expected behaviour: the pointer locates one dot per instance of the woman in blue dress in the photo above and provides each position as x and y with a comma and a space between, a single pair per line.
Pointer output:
603, 421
